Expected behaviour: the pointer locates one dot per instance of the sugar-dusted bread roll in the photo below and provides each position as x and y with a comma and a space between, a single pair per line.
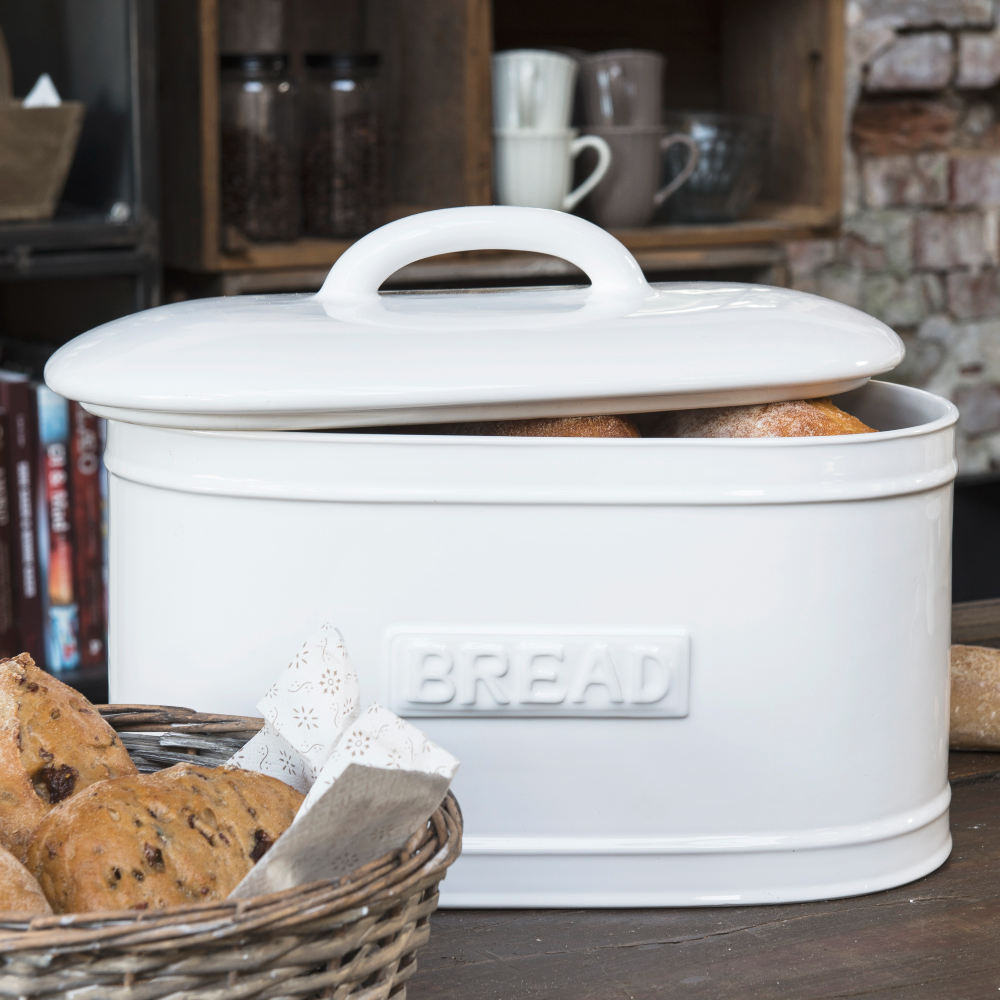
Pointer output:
975, 698
183, 835
19, 891
799, 418
575, 427
53, 742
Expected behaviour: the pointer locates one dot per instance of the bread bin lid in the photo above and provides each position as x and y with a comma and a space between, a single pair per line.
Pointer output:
349, 356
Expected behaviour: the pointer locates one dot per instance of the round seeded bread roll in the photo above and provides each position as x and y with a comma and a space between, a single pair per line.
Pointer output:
797, 418
975, 698
19, 892
595, 427
53, 742
183, 835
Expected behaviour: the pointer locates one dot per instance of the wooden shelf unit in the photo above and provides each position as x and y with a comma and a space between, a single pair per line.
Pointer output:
784, 58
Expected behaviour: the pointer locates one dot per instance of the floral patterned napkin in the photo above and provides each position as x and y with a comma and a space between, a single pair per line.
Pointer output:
370, 780
383, 780
312, 702
381, 739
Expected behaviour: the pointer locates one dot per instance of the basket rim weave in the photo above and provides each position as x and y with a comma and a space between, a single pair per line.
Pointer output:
377, 886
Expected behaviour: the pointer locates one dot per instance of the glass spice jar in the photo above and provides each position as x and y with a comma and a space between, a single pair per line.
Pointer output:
261, 164
341, 180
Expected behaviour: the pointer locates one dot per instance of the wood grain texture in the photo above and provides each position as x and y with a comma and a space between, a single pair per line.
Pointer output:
211, 171
429, 149
323, 26
976, 623
6, 76
499, 266
811, 217
478, 121
656, 248
180, 147
967, 767
721, 234
834, 128
935, 939
779, 58
308, 251
251, 25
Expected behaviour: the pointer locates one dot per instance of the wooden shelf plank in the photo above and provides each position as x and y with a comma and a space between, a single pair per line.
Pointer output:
976, 623
748, 242
705, 258
84, 233
78, 264
719, 234
499, 266
305, 252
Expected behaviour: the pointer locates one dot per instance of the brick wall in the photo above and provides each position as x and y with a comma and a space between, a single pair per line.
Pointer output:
919, 245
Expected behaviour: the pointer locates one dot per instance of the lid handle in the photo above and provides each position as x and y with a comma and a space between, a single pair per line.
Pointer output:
363, 267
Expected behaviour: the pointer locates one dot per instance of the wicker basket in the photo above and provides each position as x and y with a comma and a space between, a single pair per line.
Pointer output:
37, 146
355, 937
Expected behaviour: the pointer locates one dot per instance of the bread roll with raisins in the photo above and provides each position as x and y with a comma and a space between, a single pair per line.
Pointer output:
19, 891
53, 742
183, 835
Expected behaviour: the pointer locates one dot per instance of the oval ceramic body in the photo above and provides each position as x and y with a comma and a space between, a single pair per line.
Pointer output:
676, 672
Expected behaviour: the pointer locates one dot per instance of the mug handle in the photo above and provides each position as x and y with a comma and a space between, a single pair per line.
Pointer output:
597, 174
689, 168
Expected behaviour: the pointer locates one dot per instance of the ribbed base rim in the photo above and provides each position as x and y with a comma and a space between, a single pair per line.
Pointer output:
717, 879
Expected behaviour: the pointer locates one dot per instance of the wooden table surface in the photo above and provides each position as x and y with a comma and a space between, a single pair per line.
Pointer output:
934, 939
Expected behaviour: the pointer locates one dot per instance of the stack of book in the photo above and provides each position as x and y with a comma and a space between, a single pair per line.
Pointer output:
53, 503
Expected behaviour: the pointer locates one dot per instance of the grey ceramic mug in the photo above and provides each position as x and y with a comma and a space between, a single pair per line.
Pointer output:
630, 193
623, 87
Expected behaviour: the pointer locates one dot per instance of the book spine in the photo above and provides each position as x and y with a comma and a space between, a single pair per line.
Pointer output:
8, 623
88, 543
102, 427
62, 620
17, 399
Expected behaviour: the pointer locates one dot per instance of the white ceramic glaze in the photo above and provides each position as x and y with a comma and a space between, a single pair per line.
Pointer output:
533, 89
794, 592
535, 168
676, 672
351, 357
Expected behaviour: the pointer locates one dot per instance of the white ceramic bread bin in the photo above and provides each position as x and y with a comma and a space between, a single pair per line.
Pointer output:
676, 671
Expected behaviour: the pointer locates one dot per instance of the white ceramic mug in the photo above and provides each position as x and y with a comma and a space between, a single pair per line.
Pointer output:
533, 89
534, 168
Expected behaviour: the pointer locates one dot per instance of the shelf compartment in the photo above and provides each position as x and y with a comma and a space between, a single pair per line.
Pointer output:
782, 57
657, 248
436, 117
478, 267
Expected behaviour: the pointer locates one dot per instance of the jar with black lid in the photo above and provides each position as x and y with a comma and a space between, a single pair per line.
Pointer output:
261, 160
342, 188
